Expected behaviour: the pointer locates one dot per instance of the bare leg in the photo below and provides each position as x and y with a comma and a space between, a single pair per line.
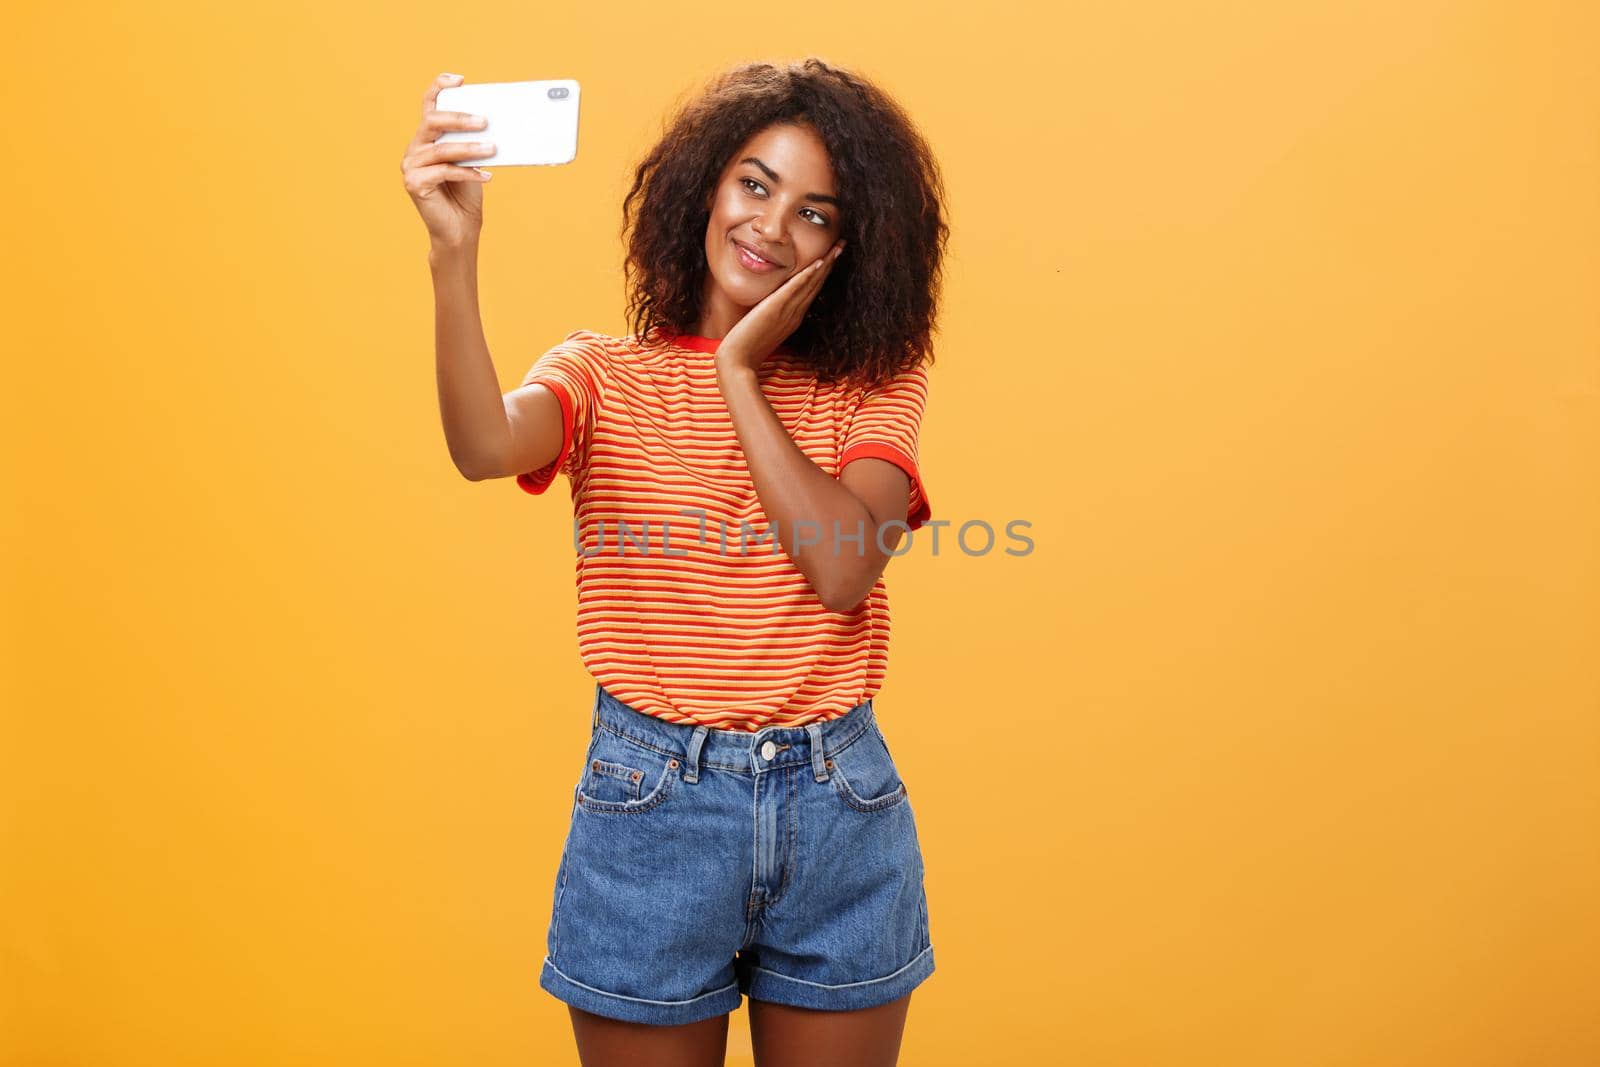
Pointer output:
604, 1042
782, 1036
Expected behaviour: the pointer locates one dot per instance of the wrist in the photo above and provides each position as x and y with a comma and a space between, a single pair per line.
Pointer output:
451, 254
733, 370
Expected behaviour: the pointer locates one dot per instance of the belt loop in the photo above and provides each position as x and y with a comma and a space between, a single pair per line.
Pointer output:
691, 764
819, 767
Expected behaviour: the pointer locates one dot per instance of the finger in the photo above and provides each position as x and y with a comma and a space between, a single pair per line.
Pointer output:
440, 82
425, 155
784, 295
426, 132
807, 275
829, 260
435, 123
803, 287
422, 181
812, 287
818, 272
795, 296
453, 120
791, 298
446, 151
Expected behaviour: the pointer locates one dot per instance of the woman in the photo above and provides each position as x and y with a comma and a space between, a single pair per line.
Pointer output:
742, 467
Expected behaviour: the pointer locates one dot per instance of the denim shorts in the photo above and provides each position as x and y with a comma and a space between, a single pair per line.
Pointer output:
701, 865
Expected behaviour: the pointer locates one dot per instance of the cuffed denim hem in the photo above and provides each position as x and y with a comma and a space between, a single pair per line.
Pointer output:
799, 993
635, 1009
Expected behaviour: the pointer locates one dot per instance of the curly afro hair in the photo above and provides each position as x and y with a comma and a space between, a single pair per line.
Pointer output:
875, 316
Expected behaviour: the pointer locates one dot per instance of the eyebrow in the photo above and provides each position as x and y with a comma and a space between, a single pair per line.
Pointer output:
774, 177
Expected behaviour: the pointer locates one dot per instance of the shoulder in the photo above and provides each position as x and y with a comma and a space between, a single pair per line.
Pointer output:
910, 384
587, 349
611, 348
582, 360
591, 342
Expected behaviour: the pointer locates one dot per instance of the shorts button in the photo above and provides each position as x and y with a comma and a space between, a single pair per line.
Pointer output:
768, 750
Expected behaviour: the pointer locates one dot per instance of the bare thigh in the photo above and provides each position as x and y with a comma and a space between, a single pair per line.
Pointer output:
604, 1042
782, 1036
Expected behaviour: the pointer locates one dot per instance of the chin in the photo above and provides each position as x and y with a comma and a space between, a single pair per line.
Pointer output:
743, 291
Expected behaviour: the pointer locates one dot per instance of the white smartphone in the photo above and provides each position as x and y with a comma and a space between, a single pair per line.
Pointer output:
530, 123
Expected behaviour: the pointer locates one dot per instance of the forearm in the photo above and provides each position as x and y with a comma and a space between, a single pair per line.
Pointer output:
470, 402
801, 501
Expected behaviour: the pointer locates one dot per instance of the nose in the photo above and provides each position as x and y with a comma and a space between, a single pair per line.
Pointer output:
770, 227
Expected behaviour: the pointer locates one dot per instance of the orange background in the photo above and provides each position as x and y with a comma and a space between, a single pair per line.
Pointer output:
1277, 321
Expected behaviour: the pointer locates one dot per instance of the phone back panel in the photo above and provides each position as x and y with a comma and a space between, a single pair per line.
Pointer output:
530, 123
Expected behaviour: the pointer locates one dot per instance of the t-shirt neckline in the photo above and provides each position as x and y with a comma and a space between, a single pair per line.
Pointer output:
708, 344
694, 341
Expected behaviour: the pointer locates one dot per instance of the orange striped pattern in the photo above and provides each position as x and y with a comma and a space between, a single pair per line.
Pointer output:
670, 621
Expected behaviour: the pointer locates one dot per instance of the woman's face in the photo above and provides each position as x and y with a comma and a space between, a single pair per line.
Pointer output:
775, 200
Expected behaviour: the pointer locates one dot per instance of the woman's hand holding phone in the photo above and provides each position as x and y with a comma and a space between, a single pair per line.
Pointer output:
447, 194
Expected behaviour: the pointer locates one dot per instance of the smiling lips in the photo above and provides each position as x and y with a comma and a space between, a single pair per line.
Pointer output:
752, 262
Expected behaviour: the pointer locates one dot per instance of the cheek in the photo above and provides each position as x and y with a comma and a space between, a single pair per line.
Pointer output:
815, 246
716, 232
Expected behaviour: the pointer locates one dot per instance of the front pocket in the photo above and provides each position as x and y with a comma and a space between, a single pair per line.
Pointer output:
623, 776
612, 781
864, 775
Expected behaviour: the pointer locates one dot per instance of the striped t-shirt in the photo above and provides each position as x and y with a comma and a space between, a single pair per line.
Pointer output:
670, 621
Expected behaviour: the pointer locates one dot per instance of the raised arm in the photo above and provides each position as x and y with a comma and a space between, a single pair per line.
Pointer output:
489, 435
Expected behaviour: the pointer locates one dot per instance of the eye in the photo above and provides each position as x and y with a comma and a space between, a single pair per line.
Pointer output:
821, 219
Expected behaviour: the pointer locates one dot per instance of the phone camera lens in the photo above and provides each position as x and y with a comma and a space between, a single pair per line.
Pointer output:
558, 93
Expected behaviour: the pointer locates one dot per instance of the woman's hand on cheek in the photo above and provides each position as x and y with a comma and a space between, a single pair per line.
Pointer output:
765, 326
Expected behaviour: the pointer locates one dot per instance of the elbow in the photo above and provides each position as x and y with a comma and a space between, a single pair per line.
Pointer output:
475, 469
478, 474
843, 589
840, 598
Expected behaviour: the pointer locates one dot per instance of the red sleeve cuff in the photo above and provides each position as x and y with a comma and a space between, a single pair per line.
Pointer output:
538, 481
919, 507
